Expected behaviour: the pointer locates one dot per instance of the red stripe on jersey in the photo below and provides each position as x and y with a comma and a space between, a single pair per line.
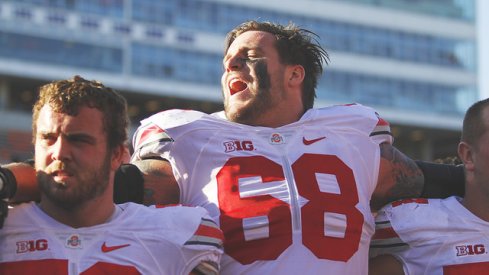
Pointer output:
411, 200
166, 205
209, 231
149, 132
60, 266
384, 233
382, 122
48, 266
466, 268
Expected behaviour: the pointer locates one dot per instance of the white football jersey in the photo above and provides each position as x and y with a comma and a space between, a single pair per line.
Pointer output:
433, 236
289, 200
137, 240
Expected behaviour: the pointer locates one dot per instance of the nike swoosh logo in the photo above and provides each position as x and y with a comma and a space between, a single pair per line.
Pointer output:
106, 248
311, 141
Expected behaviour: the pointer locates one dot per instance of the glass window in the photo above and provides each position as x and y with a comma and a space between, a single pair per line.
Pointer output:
394, 93
177, 64
61, 52
458, 9
209, 16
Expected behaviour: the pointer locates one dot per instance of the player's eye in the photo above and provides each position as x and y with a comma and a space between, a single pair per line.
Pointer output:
80, 139
47, 138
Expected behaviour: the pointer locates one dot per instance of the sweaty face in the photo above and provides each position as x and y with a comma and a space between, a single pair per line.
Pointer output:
71, 156
252, 83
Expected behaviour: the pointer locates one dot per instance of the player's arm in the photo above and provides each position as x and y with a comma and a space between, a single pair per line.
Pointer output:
399, 177
160, 186
11, 176
385, 265
442, 180
18, 183
20, 179
150, 142
151, 181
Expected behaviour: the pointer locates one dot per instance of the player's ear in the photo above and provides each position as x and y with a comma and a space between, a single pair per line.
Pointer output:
466, 154
296, 75
119, 156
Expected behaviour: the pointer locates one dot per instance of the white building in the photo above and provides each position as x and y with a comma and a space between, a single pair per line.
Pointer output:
414, 61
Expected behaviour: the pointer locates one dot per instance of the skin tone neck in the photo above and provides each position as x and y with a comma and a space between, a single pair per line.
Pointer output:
476, 162
90, 213
476, 198
287, 116
477, 203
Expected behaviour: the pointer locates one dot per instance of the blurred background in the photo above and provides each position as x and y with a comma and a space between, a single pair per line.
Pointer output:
418, 62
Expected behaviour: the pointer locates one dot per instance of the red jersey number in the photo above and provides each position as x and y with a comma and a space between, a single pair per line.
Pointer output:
60, 267
466, 269
234, 208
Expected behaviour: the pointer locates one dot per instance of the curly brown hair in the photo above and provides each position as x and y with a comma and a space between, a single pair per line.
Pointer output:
67, 96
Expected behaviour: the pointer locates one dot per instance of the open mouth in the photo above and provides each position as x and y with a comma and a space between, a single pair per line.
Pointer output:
236, 86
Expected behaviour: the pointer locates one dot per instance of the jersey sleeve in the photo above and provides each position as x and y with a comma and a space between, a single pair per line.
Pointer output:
382, 131
367, 119
192, 226
150, 141
385, 240
153, 139
401, 225
207, 234
206, 238
198, 236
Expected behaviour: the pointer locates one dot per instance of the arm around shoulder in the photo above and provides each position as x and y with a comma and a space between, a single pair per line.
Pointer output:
23, 176
442, 180
160, 185
399, 177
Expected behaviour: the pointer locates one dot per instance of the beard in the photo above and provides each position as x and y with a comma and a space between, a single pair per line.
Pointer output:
84, 186
259, 104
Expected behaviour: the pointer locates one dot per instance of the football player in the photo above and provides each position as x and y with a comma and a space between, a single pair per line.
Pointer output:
291, 186
80, 134
449, 236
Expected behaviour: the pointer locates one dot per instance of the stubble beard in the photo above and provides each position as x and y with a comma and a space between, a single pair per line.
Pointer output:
89, 185
258, 105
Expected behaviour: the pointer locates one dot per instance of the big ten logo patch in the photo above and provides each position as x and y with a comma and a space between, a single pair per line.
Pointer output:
32, 245
238, 145
470, 249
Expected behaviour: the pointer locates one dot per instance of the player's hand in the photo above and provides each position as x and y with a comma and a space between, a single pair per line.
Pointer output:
8, 187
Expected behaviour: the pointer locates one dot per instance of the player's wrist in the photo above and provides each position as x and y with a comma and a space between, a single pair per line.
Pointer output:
442, 180
8, 184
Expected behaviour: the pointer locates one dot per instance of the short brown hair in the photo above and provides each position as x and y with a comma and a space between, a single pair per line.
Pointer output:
474, 126
67, 96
